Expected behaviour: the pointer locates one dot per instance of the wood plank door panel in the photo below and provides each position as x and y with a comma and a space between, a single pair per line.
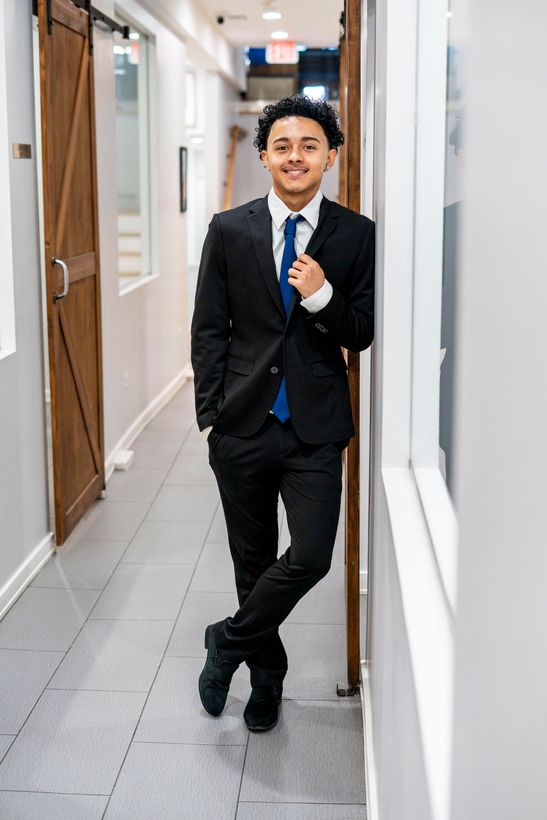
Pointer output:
71, 235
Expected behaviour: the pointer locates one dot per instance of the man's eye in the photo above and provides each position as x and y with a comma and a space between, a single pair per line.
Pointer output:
310, 147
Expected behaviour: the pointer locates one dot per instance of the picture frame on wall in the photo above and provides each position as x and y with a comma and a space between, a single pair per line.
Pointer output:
183, 178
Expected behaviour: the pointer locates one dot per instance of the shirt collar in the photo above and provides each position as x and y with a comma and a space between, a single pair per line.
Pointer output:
279, 211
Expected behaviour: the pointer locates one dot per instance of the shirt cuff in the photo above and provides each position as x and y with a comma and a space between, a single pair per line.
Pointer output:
318, 300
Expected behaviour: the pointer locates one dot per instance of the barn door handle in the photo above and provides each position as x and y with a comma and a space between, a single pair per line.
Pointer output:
64, 267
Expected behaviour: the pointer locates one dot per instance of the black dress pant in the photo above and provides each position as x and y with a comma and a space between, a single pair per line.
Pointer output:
251, 474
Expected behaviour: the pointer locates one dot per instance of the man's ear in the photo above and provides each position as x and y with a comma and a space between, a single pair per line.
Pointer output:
331, 158
264, 159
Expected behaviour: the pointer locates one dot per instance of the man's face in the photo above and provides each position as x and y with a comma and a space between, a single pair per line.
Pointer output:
297, 154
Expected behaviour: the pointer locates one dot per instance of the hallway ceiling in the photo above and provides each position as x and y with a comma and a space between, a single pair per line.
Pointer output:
315, 25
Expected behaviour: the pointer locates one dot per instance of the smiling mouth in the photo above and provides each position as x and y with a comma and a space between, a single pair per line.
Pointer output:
295, 172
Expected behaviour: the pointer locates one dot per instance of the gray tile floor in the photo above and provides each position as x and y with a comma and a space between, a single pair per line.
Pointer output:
99, 659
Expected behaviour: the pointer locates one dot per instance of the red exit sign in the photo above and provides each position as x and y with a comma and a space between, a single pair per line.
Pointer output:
281, 51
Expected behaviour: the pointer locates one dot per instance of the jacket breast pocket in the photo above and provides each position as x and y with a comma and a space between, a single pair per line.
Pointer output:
332, 367
237, 365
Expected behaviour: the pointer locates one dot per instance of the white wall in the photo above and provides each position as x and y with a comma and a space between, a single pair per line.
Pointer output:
207, 163
25, 539
145, 333
500, 717
220, 97
251, 180
206, 45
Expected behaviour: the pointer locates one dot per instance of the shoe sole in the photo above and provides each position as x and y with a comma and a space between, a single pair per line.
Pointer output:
259, 729
264, 728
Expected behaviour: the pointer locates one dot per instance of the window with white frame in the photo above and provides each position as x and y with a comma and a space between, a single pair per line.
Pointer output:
451, 219
435, 227
132, 81
7, 304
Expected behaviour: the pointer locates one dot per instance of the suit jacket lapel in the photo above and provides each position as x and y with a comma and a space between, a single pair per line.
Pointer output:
261, 233
326, 225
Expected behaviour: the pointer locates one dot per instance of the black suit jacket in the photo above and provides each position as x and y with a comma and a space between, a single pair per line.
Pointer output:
243, 343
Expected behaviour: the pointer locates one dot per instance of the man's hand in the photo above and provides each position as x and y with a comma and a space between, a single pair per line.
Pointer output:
306, 275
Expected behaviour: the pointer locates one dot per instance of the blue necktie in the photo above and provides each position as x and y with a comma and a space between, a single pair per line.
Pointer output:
280, 406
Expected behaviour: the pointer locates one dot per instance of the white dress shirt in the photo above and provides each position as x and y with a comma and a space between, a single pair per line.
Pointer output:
304, 229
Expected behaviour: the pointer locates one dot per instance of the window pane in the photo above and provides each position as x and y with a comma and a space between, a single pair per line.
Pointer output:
452, 204
133, 162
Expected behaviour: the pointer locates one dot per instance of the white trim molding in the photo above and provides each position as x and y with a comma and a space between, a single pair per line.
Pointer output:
24, 574
442, 524
430, 631
370, 769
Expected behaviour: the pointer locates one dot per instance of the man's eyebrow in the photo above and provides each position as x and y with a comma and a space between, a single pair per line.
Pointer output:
304, 139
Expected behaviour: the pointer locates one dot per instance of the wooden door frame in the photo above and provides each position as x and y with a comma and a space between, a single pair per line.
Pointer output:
350, 196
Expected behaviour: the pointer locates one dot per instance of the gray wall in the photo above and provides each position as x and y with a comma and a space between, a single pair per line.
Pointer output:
500, 717
24, 526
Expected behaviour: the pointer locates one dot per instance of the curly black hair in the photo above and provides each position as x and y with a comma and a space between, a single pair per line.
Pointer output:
299, 106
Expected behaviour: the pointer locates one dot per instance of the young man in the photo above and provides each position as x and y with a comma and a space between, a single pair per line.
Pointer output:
284, 283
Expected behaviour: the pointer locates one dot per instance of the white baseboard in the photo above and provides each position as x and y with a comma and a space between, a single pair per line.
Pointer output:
24, 574
146, 417
370, 768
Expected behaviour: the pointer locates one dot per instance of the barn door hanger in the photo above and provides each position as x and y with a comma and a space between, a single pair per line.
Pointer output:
95, 16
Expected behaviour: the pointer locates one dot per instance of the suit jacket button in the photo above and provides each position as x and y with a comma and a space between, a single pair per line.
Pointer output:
274, 370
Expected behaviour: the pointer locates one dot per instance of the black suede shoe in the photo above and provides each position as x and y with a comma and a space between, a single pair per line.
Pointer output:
262, 710
216, 675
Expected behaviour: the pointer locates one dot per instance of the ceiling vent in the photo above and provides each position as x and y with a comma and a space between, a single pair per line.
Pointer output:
226, 15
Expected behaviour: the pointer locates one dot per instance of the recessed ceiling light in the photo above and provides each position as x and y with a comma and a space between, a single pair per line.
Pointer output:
279, 35
315, 92
271, 15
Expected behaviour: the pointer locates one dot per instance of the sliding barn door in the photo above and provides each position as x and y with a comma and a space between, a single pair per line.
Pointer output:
71, 260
